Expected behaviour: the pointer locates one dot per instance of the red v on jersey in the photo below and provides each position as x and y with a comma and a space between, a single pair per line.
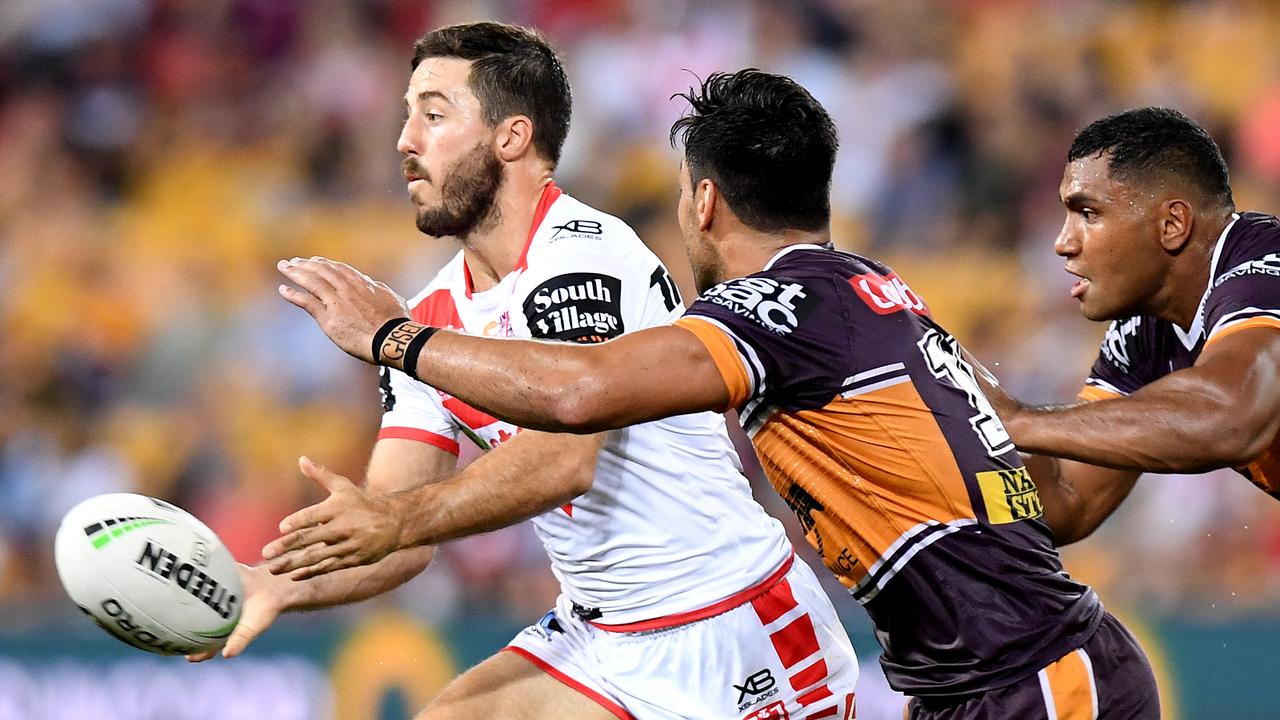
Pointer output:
550, 194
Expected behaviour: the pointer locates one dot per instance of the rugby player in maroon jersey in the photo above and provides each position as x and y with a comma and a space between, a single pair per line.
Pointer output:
1188, 375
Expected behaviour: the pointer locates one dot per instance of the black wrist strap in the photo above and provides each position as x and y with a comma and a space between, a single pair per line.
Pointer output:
412, 352
381, 337
399, 342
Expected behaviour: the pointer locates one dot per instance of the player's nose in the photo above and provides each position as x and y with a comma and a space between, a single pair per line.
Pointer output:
1067, 243
406, 144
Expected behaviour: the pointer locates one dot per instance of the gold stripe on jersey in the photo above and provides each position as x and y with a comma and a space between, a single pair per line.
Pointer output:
1253, 322
725, 355
863, 472
1092, 393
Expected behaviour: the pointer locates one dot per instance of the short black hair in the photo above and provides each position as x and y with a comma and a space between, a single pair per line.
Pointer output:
769, 146
514, 71
1151, 141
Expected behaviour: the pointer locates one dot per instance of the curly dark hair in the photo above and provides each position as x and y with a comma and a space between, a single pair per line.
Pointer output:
767, 144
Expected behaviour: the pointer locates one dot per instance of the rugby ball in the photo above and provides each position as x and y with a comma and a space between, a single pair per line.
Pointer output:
149, 573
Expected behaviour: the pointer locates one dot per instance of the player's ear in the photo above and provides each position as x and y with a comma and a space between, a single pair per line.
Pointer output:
704, 202
1175, 224
514, 137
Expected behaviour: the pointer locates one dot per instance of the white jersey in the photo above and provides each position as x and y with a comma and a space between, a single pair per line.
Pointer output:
669, 525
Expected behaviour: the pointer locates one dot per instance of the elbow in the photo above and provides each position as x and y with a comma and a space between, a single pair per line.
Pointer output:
1072, 533
579, 406
580, 477
1234, 440
1242, 448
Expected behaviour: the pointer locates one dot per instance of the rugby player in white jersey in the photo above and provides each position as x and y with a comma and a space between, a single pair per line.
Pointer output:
680, 597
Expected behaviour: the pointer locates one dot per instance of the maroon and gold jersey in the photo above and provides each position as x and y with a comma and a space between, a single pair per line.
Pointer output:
869, 423
1243, 292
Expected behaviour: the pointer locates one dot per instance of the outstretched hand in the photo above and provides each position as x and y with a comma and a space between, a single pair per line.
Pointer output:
348, 305
265, 597
353, 527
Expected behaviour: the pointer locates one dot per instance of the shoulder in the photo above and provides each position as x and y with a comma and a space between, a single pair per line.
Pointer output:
779, 298
575, 228
1251, 247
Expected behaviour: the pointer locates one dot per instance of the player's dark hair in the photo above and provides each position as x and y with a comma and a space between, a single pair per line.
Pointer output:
514, 71
768, 145
1152, 141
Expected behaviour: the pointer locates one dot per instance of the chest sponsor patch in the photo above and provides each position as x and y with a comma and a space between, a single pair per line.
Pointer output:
1009, 495
778, 304
578, 307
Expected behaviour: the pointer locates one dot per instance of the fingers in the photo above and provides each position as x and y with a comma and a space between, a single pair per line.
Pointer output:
327, 565
325, 478
201, 657
302, 299
326, 533
311, 555
306, 275
251, 625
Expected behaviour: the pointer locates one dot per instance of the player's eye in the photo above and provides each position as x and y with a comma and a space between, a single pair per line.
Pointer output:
1089, 214
433, 116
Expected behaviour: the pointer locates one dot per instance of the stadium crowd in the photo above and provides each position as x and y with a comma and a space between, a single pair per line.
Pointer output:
156, 158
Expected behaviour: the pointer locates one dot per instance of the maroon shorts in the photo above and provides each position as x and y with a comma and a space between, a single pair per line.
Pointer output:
1109, 678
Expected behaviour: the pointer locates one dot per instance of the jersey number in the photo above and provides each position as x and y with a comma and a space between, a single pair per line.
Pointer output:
942, 353
666, 286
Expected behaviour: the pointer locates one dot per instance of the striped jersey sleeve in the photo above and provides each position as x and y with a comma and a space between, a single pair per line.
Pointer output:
1244, 297
770, 337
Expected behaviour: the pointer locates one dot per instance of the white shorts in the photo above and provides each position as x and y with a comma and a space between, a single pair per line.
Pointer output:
775, 651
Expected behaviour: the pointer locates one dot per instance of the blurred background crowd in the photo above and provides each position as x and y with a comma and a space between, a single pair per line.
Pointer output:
157, 157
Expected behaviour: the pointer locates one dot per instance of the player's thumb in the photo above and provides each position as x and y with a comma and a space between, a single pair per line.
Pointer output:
321, 475
251, 625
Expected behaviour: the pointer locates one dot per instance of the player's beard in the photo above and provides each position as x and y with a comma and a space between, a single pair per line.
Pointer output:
467, 195
708, 266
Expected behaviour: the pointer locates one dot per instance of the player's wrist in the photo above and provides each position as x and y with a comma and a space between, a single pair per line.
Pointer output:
399, 342
404, 508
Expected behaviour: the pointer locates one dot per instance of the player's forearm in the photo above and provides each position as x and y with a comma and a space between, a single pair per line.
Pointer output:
533, 384
1176, 428
358, 583
499, 489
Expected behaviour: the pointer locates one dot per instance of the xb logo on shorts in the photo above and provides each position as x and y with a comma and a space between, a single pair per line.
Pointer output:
758, 683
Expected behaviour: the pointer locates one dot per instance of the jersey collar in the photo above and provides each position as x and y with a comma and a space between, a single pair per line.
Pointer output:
550, 193
1192, 336
798, 246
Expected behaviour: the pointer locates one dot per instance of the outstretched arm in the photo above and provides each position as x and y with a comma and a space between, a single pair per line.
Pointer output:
641, 376
529, 474
394, 465
1222, 412
1077, 497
